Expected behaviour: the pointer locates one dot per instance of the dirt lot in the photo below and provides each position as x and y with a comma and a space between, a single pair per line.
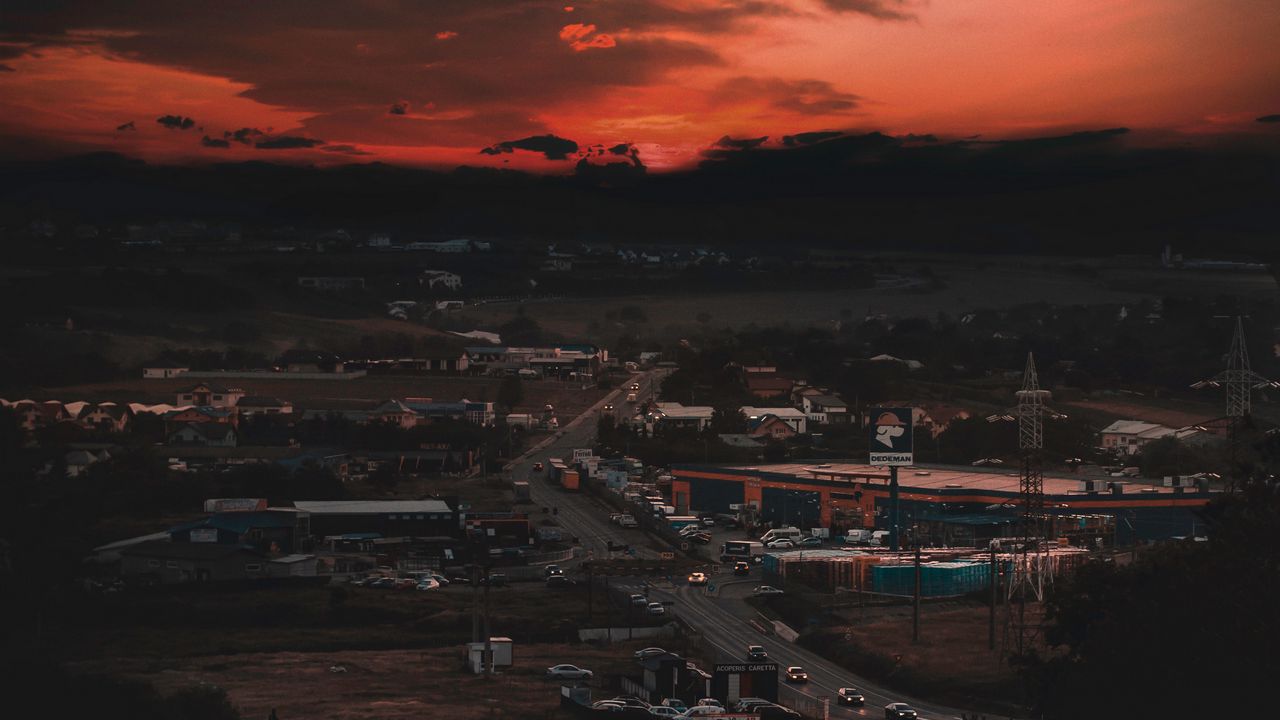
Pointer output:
381, 685
569, 399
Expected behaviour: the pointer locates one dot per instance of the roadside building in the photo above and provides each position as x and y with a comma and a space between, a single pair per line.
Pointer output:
166, 563
796, 419
251, 405
209, 395
387, 518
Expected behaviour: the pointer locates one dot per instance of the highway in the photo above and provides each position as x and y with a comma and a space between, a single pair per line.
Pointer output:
723, 616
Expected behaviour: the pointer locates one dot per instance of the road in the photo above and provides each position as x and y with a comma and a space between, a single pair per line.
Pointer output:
723, 616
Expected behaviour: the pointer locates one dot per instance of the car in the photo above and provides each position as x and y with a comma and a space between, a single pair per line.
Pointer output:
774, 711
405, 584
663, 711
428, 584
675, 704
697, 578
709, 702
550, 570
558, 581
568, 672
895, 711
782, 544
756, 652
766, 590
741, 568
615, 517
608, 706
649, 652
495, 580
687, 530
850, 696
382, 583
444, 581
796, 674
608, 407
635, 387
747, 704
698, 711
811, 542
537, 467
709, 521
655, 608
632, 701
638, 600
700, 537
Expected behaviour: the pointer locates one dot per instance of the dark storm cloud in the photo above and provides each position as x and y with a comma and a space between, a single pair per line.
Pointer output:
243, 136
400, 108
809, 138
345, 150
287, 142
878, 9
1269, 119
622, 149
126, 127
554, 148
176, 122
728, 143
804, 97
214, 142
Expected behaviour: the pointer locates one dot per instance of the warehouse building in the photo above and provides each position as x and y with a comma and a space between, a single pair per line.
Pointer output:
387, 518
847, 495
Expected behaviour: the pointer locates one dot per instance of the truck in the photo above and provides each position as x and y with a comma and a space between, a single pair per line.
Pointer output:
631, 397
864, 536
783, 533
680, 521
627, 521
747, 550
521, 490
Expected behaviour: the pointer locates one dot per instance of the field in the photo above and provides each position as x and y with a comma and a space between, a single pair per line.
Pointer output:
967, 284
569, 399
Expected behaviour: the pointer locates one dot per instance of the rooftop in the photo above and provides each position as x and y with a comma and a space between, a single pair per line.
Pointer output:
371, 507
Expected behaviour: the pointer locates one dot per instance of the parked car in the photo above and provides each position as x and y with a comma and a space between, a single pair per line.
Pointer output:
700, 537
850, 696
709, 521
675, 704
782, 544
649, 652
632, 701
774, 711
496, 580
698, 711
747, 704
444, 581
655, 608
796, 674
756, 652
709, 702
766, 590
697, 578
638, 600
608, 706
741, 568
428, 584
811, 542
687, 530
405, 584
568, 672
663, 711
896, 711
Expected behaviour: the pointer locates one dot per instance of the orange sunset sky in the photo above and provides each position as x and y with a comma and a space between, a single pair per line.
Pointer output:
434, 83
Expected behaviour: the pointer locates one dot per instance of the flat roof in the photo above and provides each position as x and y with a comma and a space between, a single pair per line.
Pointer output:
926, 477
371, 507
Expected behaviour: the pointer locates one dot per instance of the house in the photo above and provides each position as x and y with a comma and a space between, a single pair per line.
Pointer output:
274, 531
250, 405
169, 563
770, 426
208, 434
163, 372
32, 415
78, 461
198, 415
104, 417
379, 241
791, 416
440, 279
209, 395
764, 385
394, 412
331, 283
825, 409
673, 414
299, 360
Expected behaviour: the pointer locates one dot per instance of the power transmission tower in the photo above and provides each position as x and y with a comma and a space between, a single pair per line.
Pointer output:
1239, 380
1032, 571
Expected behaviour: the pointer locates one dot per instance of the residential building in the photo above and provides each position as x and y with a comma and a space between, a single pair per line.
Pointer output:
825, 409
104, 417
763, 385
207, 434
250, 405
673, 414
1128, 437
440, 280
789, 415
209, 395
163, 372
394, 412
769, 426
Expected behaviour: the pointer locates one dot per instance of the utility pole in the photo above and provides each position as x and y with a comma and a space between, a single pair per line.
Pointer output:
991, 624
915, 606
893, 508
487, 657
1239, 380
475, 602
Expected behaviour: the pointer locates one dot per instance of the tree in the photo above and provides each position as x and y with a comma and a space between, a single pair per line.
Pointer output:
511, 391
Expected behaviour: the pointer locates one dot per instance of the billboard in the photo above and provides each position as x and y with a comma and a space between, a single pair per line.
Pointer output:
890, 440
217, 505
582, 454
204, 535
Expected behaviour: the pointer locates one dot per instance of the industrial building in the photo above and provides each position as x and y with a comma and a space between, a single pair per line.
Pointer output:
388, 518
846, 495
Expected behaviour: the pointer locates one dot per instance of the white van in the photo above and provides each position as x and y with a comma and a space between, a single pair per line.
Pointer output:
783, 533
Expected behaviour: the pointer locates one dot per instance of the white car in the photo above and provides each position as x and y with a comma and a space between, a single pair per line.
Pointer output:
444, 581
710, 702
568, 672
608, 706
656, 608
428, 584
649, 652
698, 711
766, 590
638, 600
663, 711
697, 578
781, 544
